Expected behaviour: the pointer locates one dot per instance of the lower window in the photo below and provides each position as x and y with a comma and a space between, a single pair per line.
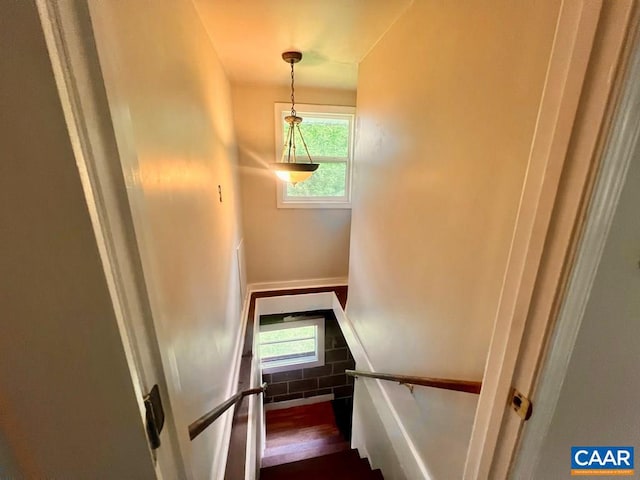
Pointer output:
292, 344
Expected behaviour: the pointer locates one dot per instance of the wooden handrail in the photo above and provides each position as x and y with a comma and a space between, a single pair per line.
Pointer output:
445, 383
197, 427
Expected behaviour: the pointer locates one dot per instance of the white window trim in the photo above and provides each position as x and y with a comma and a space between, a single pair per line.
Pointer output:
317, 110
316, 360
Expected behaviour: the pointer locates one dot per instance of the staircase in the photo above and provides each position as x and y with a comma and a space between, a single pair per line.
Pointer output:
345, 465
301, 432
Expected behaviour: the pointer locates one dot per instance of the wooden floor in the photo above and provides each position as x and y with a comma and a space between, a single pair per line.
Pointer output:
299, 433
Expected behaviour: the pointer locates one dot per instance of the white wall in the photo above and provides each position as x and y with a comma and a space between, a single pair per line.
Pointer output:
369, 434
67, 402
447, 104
171, 106
598, 401
284, 244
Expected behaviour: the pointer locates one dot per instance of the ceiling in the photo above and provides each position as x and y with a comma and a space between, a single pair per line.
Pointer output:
334, 36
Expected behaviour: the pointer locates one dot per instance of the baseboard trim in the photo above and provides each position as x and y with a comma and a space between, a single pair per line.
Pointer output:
298, 402
291, 284
232, 387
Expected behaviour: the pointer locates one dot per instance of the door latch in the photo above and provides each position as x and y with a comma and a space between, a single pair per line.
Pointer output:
521, 405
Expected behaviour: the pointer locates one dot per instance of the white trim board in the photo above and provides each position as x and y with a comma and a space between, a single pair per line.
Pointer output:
256, 434
592, 127
293, 284
623, 143
305, 302
232, 387
572, 45
70, 40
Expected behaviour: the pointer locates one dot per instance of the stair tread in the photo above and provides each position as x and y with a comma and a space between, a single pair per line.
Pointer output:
346, 465
304, 443
293, 453
301, 432
285, 441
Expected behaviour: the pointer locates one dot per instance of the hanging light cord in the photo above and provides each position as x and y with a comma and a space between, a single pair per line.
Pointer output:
291, 141
293, 96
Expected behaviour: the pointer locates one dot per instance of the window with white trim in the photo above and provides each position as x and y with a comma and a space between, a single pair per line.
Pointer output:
291, 344
328, 131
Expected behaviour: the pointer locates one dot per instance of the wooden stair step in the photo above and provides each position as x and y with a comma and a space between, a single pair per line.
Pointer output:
376, 474
304, 443
345, 465
303, 435
293, 453
309, 444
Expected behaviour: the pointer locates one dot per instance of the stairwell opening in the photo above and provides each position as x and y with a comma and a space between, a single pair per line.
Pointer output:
250, 417
308, 404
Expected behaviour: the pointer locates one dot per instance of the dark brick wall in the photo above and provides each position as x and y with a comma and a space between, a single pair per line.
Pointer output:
310, 382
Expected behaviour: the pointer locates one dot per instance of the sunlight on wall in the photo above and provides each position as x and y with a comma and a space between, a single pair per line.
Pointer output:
447, 104
284, 244
177, 138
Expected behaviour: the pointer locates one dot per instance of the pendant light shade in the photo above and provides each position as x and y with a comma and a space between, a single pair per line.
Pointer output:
288, 168
294, 172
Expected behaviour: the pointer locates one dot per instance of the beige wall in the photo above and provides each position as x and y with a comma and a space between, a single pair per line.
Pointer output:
447, 104
67, 402
284, 244
171, 106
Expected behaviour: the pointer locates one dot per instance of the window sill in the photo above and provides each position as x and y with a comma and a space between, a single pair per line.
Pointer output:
305, 362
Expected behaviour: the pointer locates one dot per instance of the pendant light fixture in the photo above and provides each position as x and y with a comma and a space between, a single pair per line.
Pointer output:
288, 168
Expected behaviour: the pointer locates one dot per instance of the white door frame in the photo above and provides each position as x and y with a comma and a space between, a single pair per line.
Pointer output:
557, 127
69, 38
621, 148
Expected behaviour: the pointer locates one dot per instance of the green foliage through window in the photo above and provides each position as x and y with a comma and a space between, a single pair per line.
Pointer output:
327, 132
325, 137
288, 343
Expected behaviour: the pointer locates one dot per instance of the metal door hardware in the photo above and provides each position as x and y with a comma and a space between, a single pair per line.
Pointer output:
521, 405
155, 416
